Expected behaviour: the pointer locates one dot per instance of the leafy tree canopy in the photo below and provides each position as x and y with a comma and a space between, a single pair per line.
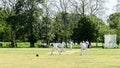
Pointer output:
87, 29
114, 20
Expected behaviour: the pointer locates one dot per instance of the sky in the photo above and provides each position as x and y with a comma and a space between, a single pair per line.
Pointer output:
0, 4
110, 8
110, 5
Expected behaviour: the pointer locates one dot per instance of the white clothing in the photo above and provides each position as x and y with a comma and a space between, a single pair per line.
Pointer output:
83, 47
55, 46
62, 47
63, 44
87, 43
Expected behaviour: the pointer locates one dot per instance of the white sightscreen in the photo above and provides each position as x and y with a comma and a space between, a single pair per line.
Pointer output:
110, 41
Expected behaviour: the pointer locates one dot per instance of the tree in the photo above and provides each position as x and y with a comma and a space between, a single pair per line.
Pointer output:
30, 10
63, 8
59, 27
2, 23
47, 21
23, 15
8, 6
5, 30
88, 7
114, 24
87, 29
114, 20
103, 29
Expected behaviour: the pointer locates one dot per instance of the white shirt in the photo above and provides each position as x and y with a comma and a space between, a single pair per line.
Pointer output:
63, 44
83, 45
71, 42
55, 45
87, 43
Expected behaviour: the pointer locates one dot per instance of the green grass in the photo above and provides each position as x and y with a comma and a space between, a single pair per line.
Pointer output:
26, 58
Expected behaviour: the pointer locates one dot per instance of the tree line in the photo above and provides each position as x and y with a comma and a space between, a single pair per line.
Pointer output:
54, 20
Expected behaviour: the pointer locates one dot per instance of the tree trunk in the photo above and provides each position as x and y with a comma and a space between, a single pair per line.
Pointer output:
65, 24
31, 44
13, 39
89, 45
96, 44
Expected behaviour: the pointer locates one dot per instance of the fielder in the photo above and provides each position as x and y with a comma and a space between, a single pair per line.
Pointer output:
62, 47
55, 46
71, 43
83, 47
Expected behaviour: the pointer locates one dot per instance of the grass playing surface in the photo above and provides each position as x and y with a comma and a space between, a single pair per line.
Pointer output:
26, 58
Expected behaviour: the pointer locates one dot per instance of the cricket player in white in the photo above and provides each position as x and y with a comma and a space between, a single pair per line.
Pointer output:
83, 47
87, 43
62, 47
71, 43
55, 46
